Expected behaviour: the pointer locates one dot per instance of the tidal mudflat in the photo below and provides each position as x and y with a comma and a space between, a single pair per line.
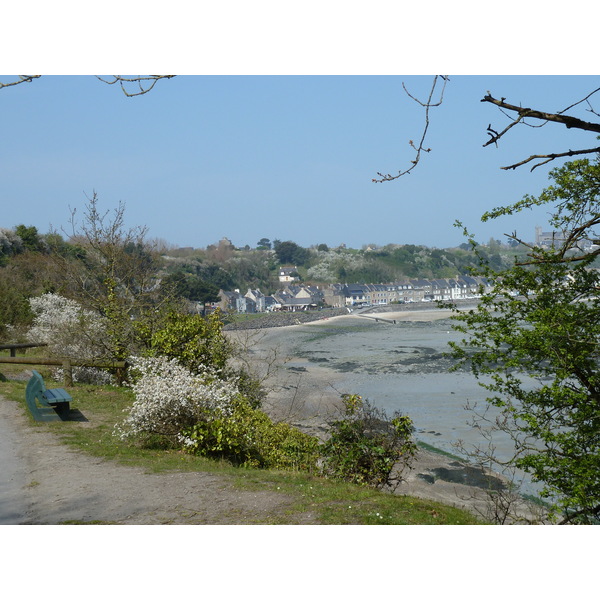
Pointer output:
401, 366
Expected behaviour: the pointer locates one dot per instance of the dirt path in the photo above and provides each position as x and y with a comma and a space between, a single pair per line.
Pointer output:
61, 484
46, 482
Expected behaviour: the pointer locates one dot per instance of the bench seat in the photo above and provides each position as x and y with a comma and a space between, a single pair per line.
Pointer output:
45, 404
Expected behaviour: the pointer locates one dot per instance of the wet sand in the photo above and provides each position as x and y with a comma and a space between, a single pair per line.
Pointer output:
295, 391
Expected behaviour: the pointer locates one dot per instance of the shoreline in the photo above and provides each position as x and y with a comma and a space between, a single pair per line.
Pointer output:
420, 311
308, 396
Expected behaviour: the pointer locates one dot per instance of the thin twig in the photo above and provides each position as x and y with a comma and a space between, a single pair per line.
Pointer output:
144, 83
22, 79
421, 147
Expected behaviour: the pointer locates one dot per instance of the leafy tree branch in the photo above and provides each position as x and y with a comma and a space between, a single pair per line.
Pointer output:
534, 344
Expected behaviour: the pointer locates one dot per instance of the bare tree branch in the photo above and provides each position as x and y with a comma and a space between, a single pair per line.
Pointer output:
586, 99
22, 79
430, 103
560, 117
566, 120
140, 84
550, 157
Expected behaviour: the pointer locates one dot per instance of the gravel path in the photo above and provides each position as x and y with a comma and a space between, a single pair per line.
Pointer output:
46, 482
13, 468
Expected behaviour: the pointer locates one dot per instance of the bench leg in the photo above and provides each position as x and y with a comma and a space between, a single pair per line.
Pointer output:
44, 413
63, 409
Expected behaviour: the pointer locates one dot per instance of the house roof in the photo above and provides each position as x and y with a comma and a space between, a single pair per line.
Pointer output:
297, 302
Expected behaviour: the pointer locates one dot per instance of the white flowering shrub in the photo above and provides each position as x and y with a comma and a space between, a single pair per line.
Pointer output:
169, 399
64, 325
10, 242
330, 262
70, 331
206, 415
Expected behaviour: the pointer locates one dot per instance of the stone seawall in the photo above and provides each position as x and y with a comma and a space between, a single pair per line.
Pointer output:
416, 306
284, 319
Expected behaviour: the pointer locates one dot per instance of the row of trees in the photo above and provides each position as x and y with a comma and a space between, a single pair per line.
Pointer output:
244, 268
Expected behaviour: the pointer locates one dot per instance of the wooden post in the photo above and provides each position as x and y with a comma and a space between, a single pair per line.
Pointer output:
68, 369
121, 374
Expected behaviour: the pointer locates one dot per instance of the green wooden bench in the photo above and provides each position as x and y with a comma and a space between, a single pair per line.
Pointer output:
45, 404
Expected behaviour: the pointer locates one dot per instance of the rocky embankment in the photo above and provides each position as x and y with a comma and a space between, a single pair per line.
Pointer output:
284, 319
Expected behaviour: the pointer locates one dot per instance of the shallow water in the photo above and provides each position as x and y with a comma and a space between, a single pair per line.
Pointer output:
399, 367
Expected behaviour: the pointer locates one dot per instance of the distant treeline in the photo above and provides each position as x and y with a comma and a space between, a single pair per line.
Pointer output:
32, 264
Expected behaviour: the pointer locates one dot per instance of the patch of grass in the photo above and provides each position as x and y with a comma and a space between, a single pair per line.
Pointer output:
338, 503
537, 501
98, 408
78, 522
237, 318
321, 331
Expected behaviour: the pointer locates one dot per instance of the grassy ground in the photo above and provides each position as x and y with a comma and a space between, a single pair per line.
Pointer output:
333, 502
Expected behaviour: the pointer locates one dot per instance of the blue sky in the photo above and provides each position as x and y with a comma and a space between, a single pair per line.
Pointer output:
282, 157
281, 116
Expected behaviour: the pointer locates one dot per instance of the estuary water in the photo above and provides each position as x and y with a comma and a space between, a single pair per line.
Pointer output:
397, 367
401, 366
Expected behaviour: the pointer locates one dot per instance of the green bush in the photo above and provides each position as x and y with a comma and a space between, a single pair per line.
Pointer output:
15, 313
190, 338
197, 342
249, 438
365, 446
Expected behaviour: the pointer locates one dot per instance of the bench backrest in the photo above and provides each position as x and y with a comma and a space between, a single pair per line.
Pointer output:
35, 393
38, 380
35, 389
35, 385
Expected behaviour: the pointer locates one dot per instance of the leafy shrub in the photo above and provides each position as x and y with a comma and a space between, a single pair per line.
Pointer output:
249, 386
15, 311
365, 446
249, 438
197, 342
190, 338
209, 416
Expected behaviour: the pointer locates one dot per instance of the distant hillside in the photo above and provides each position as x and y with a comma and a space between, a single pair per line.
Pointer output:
227, 267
